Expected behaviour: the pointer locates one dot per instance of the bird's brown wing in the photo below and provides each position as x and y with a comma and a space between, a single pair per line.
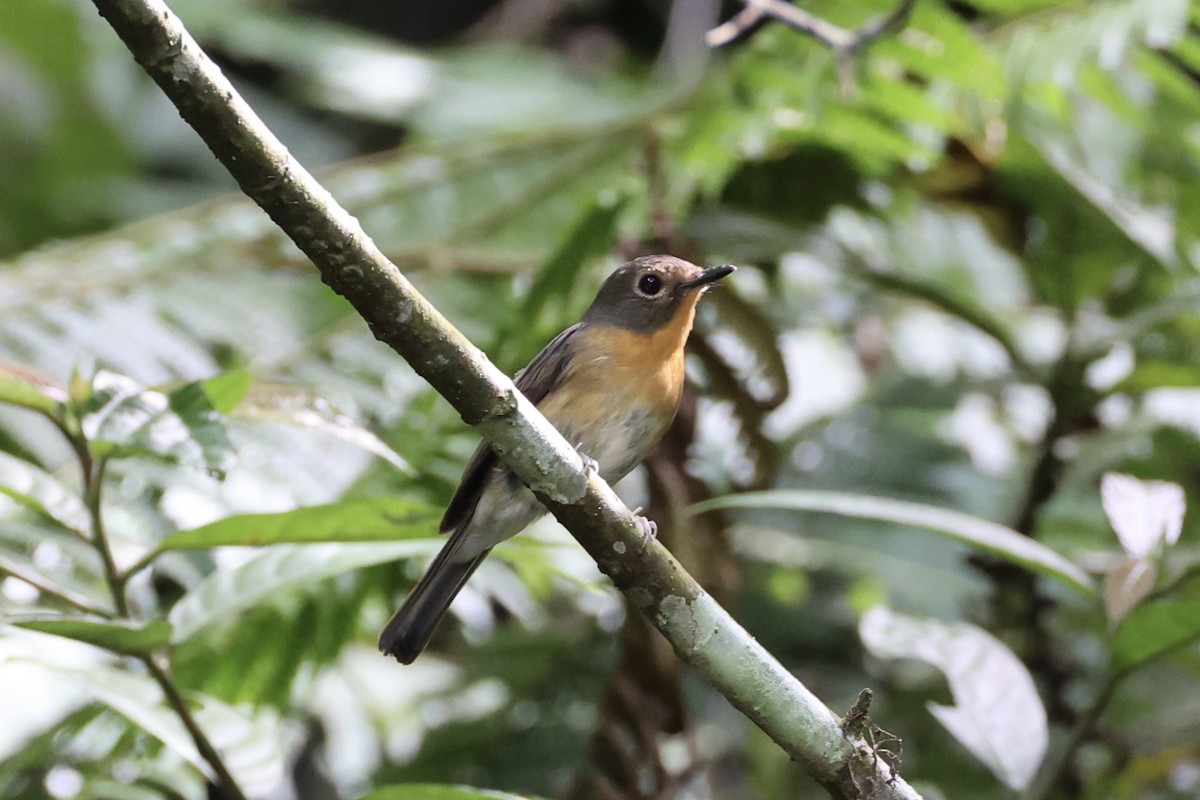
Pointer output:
535, 382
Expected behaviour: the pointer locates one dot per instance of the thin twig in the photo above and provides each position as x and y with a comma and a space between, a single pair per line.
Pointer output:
832, 36
93, 481
160, 671
842, 41
884, 25
159, 666
137, 566
735, 26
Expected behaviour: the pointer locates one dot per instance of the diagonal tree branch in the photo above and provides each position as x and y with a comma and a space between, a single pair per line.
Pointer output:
700, 631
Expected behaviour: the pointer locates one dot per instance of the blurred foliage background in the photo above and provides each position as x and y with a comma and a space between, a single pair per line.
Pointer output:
969, 282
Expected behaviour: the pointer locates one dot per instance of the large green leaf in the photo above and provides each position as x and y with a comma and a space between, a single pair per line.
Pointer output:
119, 636
1153, 630
279, 569
997, 714
381, 519
987, 536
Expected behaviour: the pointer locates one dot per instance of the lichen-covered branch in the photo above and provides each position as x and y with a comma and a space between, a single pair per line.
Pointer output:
701, 632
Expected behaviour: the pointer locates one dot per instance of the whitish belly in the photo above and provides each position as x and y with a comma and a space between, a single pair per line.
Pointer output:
506, 506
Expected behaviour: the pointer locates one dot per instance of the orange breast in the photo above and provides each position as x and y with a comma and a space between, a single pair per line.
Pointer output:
620, 392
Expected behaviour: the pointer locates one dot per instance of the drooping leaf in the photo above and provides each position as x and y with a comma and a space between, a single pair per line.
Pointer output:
1152, 630
381, 519
997, 715
41, 493
296, 405
119, 636
278, 569
987, 536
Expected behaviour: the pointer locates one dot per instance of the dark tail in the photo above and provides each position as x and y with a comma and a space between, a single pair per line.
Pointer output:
412, 626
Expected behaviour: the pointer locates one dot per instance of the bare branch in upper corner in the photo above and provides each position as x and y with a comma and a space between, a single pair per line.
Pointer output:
844, 43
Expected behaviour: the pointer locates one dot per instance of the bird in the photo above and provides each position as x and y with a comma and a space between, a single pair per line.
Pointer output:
610, 384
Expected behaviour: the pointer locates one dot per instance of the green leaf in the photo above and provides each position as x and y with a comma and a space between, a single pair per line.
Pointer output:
438, 791
182, 427
989, 537
283, 568
227, 390
1154, 374
119, 636
382, 519
21, 386
1153, 630
194, 407
997, 714
41, 493
301, 407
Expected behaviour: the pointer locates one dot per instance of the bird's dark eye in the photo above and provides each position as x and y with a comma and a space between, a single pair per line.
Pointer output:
650, 285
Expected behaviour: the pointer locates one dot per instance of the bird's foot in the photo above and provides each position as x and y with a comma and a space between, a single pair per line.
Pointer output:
590, 464
649, 527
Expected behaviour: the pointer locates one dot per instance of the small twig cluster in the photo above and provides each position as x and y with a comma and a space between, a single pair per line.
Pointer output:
844, 43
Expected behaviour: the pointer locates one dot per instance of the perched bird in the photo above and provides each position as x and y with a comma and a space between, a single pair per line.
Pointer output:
611, 386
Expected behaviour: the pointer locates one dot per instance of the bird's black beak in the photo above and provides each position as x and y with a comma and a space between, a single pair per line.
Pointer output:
708, 276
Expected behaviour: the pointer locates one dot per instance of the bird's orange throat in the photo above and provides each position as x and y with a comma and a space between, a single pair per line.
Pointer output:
669, 340
648, 364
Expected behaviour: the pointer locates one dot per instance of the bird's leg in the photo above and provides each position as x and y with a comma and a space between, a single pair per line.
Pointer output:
649, 527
